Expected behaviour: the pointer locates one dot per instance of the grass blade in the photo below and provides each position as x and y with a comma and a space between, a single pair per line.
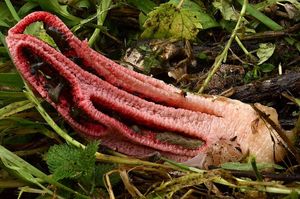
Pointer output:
29, 172
12, 10
11, 80
261, 17
15, 107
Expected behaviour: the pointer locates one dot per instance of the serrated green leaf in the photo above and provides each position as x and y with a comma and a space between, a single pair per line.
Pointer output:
206, 20
66, 161
265, 51
30, 173
168, 21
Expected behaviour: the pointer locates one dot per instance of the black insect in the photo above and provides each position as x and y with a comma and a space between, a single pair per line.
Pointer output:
183, 93
78, 115
58, 37
154, 157
54, 92
75, 112
76, 60
35, 67
136, 128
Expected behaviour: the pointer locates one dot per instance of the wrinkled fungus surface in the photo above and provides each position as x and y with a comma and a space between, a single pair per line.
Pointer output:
133, 113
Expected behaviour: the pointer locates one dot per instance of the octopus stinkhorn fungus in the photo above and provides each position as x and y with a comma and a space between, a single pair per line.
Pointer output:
133, 113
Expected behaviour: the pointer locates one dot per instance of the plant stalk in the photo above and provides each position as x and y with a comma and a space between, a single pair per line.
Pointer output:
222, 57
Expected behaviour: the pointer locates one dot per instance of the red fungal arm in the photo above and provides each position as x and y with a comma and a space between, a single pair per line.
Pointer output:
112, 100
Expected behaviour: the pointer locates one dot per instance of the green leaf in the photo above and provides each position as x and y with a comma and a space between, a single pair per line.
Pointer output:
56, 7
26, 8
15, 107
5, 15
255, 169
21, 122
206, 20
261, 17
3, 23
37, 29
142, 19
34, 28
12, 80
297, 45
145, 6
248, 167
30, 173
102, 10
265, 51
83, 4
202, 55
11, 95
68, 161
168, 21
226, 9
2, 50
293, 195
266, 68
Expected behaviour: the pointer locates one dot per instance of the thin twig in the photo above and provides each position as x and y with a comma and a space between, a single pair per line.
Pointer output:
241, 45
180, 4
101, 15
266, 35
222, 57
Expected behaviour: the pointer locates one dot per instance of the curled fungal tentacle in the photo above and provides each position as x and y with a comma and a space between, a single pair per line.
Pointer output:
130, 112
